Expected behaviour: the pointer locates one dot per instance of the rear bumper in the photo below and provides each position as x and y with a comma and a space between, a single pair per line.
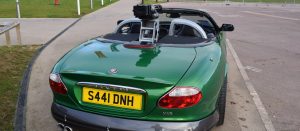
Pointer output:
79, 120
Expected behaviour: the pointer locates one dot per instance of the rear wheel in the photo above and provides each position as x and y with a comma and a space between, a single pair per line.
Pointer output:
221, 105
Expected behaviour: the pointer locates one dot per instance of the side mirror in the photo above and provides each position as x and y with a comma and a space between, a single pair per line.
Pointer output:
227, 27
119, 21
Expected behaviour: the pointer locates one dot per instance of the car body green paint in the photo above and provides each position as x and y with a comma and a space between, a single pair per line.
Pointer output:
155, 70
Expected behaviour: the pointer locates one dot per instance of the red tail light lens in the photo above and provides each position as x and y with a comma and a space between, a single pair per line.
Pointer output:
56, 84
181, 97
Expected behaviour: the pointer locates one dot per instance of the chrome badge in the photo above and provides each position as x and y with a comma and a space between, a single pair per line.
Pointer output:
113, 71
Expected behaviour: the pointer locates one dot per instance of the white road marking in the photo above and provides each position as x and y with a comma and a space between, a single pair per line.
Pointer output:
274, 16
259, 105
254, 69
218, 14
291, 9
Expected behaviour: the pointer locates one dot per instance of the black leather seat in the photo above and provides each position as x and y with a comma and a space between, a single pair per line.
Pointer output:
188, 31
135, 28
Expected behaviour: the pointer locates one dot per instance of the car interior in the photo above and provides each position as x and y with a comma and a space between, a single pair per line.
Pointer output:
173, 29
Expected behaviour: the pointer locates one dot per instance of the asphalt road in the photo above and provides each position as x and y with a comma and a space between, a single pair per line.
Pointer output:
35, 31
266, 40
241, 113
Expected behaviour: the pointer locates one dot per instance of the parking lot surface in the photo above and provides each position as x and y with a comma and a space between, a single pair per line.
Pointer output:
266, 43
36, 31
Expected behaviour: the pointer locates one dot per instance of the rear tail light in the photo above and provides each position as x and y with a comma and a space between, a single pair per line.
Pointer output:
181, 97
56, 84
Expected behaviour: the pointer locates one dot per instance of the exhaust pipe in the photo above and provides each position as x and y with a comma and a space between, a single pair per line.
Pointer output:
64, 127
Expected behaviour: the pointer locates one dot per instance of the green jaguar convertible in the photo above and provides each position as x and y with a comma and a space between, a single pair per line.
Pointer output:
163, 70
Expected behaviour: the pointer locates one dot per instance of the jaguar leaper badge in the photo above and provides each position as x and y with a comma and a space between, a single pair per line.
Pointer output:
113, 71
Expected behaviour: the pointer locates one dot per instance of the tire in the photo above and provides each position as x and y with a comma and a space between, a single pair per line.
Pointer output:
221, 104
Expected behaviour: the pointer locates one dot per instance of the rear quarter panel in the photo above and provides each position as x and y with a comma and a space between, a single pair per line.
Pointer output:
207, 74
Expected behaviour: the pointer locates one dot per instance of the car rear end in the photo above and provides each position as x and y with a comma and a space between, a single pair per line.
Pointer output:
106, 86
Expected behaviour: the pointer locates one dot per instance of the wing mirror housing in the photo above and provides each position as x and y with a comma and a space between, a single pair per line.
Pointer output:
119, 21
227, 27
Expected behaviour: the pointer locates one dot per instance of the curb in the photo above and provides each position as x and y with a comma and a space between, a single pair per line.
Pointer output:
257, 101
20, 114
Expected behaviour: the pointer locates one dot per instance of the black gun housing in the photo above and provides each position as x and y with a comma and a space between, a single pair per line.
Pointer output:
146, 12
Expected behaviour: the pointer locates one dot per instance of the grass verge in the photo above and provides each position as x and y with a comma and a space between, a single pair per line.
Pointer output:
14, 60
47, 9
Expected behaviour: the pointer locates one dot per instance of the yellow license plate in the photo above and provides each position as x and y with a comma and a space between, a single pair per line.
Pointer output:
112, 98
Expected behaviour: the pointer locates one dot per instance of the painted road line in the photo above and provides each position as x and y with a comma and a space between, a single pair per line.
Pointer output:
219, 14
259, 105
274, 16
254, 69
